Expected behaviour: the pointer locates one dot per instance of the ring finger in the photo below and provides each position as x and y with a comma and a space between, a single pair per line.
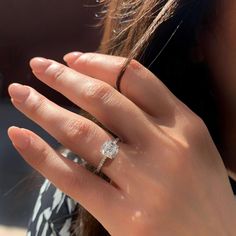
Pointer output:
79, 134
91, 191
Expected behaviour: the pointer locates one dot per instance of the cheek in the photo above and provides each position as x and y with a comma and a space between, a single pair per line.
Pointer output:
220, 50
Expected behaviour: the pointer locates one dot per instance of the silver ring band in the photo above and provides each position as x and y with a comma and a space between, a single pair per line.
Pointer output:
109, 150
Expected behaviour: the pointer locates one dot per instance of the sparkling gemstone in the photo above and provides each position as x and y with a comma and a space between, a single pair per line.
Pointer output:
109, 149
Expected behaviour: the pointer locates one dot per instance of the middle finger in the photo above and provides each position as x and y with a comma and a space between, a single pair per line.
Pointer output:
112, 109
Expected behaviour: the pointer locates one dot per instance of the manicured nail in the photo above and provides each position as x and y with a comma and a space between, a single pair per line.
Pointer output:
71, 57
19, 137
18, 92
39, 64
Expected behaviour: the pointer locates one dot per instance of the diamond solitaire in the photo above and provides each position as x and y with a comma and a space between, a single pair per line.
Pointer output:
110, 149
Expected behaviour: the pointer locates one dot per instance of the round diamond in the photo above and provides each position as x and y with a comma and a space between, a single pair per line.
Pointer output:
109, 149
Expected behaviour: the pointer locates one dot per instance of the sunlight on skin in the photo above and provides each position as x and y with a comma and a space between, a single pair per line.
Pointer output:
137, 215
128, 188
164, 186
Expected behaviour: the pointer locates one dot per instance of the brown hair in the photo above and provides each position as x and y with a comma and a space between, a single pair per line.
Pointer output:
129, 27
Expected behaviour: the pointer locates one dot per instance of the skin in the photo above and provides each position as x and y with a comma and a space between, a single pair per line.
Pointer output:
167, 155
169, 178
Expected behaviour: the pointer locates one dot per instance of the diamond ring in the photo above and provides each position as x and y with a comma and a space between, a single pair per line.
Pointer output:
109, 150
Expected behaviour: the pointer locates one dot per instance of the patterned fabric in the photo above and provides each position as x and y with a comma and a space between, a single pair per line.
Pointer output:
52, 215
53, 211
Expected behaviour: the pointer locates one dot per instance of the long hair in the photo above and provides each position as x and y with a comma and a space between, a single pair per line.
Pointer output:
162, 35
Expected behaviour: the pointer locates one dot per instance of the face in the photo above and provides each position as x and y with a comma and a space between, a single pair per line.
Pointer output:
220, 51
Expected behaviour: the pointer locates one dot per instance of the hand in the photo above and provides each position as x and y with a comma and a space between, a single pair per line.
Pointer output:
168, 176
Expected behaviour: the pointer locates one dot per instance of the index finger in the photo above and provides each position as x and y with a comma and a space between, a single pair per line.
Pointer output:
138, 83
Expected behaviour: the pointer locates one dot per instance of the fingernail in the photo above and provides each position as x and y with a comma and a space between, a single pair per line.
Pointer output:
18, 92
19, 137
39, 64
71, 57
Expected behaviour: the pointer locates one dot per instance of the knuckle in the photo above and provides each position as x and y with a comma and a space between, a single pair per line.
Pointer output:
56, 71
77, 130
196, 136
135, 65
198, 128
97, 91
86, 59
59, 73
37, 105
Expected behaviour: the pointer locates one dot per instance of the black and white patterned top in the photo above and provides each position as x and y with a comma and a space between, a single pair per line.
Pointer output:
52, 214
54, 210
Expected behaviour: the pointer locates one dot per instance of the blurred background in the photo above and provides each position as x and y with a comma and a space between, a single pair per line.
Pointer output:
48, 28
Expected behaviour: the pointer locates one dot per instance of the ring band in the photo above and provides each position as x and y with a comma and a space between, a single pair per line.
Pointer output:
109, 150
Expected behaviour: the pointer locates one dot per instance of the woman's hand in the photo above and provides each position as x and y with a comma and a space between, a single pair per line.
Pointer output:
168, 175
